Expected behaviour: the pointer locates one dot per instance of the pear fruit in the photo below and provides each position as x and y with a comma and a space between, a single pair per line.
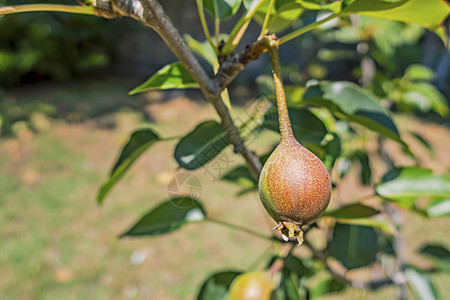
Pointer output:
294, 184
252, 286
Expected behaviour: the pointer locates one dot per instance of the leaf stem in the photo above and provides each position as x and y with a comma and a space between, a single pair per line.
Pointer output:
239, 29
305, 29
244, 229
283, 115
266, 20
201, 14
75, 9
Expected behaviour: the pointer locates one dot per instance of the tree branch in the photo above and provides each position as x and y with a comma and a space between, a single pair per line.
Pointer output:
231, 65
153, 15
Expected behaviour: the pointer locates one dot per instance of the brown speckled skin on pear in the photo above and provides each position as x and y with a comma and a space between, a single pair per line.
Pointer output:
294, 184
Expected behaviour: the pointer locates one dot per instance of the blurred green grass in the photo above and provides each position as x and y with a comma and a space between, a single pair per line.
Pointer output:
58, 244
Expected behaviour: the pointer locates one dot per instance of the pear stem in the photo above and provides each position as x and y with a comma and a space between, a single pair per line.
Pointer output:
283, 115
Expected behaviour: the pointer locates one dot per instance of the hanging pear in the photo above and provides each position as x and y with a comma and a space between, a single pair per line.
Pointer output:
294, 184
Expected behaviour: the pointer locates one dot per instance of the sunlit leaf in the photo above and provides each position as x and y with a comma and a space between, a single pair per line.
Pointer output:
167, 217
421, 284
216, 286
430, 13
419, 72
439, 207
381, 224
201, 145
172, 76
203, 49
354, 246
408, 183
139, 142
222, 9
425, 96
282, 14
314, 5
349, 102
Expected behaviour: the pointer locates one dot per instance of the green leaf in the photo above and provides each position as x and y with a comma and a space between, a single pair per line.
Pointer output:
172, 76
382, 224
353, 211
438, 254
284, 16
332, 151
216, 286
240, 176
409, 183
421, 284
325, 286
167, 217
139, 142
439, 207
222, 9
430, 13
349, 102
313, 5
306, 126
425, 96
354, 246
203, 49
424, 142
419, 72
366, 172
201, 145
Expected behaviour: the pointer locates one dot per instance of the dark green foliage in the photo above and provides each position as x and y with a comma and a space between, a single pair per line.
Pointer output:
57, 46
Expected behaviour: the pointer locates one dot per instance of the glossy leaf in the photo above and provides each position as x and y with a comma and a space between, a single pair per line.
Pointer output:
313, 5
325, 286
439, 207
425, 97
381, 224
201, 145
419, 72
365, 172
167, 217
172, 76
430, 13
349, 102
424, 142
354, 246
409, 183
421, 284
282, 14
222, 9
139, 142
203, 49
216, 286
305, 125
332, 151
240, 176
353, 211
438, 254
